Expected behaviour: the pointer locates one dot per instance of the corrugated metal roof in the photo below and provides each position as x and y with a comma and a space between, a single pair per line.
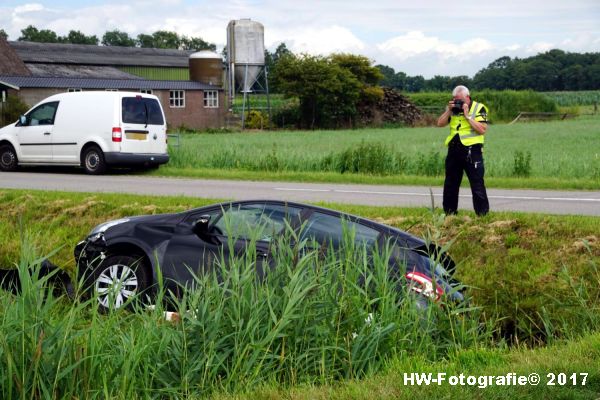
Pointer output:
10, 62
78, 71
87, 83
60, 53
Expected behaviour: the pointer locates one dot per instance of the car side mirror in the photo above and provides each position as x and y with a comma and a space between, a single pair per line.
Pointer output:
22, 120
201, 225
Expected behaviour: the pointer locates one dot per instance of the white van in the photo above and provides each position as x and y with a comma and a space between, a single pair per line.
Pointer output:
94, 130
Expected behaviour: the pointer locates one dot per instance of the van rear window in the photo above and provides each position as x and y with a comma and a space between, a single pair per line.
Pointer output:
141, 110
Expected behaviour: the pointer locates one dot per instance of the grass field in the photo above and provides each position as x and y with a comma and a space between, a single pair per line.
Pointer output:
552, 155
534, 281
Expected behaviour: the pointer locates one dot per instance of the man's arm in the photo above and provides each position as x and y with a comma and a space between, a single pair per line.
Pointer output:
445, 117
478, 126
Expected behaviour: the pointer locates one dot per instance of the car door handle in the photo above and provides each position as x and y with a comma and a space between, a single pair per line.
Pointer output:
46, 133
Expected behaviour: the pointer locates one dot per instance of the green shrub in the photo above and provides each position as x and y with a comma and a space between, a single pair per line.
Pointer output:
522, 164
256, 120
12, 109
287, 116
370, 158
503, 105
431, 164
577, 98
507, 104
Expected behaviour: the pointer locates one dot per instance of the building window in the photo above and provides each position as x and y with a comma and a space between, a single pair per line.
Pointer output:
146, 91
73, 90
211, 99
177, 98
111, 90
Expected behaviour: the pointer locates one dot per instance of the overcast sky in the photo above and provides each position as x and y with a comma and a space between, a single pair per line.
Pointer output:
418, 37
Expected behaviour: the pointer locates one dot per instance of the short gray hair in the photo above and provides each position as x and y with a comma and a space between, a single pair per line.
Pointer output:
459, 89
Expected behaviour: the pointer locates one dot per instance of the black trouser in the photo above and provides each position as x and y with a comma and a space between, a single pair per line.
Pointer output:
467, 159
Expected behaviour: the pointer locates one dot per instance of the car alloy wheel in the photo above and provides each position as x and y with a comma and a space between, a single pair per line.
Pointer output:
116, 285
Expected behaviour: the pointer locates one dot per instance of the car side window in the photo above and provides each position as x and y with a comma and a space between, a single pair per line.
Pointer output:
42, 115
328, 230
260, 221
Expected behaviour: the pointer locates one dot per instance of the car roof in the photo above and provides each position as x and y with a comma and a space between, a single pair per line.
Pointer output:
386, 227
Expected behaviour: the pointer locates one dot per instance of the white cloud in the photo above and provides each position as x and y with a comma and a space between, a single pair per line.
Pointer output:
422, 38
319, 40
25, 8
416, 43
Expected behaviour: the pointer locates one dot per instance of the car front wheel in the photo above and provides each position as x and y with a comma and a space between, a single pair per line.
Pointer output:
8, 158
120, 281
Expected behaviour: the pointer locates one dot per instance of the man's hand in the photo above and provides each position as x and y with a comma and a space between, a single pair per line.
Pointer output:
466, 110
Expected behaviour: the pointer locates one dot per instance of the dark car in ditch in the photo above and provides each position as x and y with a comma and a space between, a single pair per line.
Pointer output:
125, 257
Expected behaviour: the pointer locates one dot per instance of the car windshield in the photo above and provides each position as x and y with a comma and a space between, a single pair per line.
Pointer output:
141, 110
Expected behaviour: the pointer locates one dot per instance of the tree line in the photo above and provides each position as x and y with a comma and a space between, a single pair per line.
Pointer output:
160, 39
554, 70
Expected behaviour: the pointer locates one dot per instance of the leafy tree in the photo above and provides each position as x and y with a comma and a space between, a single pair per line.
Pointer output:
144, 40
162, 40
117, 38
3, 34
368, 75
359, 66
415, 83
388, 74
77, 37
327, 92
271, 60
196, 43
32, 34
171, 40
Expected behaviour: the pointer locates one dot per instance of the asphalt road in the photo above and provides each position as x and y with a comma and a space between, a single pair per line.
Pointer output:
542, 201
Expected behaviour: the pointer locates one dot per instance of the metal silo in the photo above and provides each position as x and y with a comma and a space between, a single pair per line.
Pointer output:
207, 67
245, 52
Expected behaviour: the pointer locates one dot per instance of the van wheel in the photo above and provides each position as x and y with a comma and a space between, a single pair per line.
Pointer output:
8, 158
93, 161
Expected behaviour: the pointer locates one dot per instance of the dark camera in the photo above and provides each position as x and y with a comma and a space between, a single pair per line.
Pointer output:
457, 108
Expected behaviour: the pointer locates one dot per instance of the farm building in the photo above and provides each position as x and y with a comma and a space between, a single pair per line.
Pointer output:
191, 97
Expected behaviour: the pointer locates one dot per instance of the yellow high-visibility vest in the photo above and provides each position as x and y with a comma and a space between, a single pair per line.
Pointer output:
460, 126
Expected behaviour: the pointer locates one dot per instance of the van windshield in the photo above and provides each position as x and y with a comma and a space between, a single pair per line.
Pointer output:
141, 110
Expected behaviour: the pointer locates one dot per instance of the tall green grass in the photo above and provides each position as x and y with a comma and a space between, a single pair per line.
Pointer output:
564, 150
305, 322
578, 98
503, 106
308, 320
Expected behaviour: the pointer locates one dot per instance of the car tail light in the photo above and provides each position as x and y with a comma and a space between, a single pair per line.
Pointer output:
422, 284
117, 134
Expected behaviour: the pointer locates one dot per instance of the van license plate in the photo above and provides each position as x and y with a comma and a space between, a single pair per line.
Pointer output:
136, 136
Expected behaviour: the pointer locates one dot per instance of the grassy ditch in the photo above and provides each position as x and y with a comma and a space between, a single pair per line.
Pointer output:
576, 358
551, 155
534, 280
522, 267
308, 321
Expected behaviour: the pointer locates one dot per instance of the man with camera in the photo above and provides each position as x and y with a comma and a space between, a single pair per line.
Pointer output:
468, 124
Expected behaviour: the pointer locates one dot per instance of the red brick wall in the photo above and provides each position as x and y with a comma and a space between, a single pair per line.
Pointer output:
194, 115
